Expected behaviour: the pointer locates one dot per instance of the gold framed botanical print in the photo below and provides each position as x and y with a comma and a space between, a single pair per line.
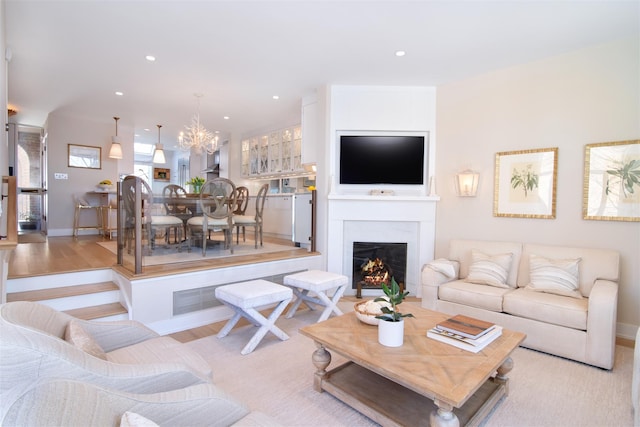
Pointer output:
525, 183
611, 190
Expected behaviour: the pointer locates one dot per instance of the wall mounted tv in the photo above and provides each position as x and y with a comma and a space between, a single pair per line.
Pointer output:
382, 159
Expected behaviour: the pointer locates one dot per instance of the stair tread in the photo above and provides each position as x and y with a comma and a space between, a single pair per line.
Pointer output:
61, 292
98, 311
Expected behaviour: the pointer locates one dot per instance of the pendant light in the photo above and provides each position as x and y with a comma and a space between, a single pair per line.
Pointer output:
158, 155
115, 152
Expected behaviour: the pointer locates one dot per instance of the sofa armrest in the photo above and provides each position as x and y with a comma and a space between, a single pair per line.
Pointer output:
49, 359
601, 323
66, 402
431, 278
114, 335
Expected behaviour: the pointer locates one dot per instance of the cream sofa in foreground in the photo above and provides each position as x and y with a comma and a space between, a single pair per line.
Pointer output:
492, 281
56, 369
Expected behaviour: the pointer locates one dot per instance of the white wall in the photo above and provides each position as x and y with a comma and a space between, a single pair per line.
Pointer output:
583, 97
64, 130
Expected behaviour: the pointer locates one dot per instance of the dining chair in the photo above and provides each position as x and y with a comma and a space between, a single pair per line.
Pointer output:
149, 223
254, 221
217, 202
173, 198
242, 200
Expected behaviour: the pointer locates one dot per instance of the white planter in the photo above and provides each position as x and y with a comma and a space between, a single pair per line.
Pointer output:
391, 334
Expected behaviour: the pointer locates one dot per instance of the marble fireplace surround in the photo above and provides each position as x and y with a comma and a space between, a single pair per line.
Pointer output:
388, 219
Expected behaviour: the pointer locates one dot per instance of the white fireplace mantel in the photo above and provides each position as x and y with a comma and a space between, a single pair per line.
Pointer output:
409, 219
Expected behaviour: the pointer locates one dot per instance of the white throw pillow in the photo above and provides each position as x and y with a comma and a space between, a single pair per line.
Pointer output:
79, 337
554, 276
490, 270
131, 419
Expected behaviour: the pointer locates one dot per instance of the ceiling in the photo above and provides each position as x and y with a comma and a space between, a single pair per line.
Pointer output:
72, 56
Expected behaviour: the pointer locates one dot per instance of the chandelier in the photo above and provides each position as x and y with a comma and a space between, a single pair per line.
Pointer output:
196, 137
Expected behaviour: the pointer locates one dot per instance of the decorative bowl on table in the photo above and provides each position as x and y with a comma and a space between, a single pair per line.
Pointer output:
366, 311
105, 187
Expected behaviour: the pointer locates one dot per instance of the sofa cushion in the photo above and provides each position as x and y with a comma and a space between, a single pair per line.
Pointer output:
481, 296
596, 263
491, 270
460, 250
555, 276
160, 350
548, 308
80, 338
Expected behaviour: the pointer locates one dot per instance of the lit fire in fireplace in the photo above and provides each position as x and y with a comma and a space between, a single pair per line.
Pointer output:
375, 272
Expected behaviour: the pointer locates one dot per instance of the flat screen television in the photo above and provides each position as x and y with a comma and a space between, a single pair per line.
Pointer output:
382, 159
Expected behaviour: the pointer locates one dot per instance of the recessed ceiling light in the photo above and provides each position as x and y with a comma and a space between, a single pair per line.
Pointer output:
119, 93
147, 130
226, 117
150, 58
275, 97
400, 53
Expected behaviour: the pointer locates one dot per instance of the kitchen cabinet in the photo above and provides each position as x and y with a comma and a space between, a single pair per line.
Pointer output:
278, 216
278, 152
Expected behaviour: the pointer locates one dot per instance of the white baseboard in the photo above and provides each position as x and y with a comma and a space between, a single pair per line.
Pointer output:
626, 330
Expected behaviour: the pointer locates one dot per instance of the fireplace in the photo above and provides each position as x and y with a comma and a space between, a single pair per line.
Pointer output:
406, 219
375, 263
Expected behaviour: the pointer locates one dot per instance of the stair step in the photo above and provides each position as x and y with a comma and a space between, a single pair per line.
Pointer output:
98, 311
61, 292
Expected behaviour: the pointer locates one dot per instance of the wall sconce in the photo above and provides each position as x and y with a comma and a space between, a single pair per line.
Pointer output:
467, 183
158, 154
115, 152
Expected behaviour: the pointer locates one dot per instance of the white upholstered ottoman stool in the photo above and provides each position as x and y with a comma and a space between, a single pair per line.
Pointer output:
244, 298
319, 282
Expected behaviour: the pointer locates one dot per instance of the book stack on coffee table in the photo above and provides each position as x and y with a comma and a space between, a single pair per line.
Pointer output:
465, 332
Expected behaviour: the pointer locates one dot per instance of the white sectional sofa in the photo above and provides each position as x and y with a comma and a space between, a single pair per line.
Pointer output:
61, 371
564, 299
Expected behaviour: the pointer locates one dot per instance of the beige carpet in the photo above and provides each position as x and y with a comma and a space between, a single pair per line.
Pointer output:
162, 255
544, 390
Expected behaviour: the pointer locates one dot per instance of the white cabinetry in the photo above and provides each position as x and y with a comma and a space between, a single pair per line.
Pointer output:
278, 216
278, 152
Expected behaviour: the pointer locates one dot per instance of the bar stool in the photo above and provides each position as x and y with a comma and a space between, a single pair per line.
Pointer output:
109, 226
80, 204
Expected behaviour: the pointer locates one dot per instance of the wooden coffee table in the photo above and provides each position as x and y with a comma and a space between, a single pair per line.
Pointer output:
423, 382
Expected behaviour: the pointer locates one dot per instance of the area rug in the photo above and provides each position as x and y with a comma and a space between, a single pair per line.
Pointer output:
162, 255
276, 378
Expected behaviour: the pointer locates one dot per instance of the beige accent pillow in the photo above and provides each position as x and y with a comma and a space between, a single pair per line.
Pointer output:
554, 276
79, 337
131, 419
490, 270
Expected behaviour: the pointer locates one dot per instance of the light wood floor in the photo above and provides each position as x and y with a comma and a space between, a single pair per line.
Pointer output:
59, 255
66, 254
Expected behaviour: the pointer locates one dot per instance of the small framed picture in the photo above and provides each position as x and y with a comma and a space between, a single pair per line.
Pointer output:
84, 156
611, 190
161, 174
525, 183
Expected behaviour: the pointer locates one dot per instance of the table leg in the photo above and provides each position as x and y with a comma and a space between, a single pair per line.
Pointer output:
443, 416
503, 370
321, 358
